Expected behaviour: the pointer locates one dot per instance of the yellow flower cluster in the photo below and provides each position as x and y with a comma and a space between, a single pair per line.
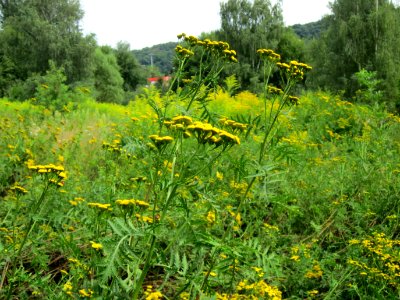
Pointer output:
258, 290
274, 90
269, 55
316, 272
294, 100
115, 147
259, 271
76, 201
204, 132
86, 293
269, 227
139, 179
67, 288
160, 141
312, 293
179, 123
303, 250
294, 69
96, 246
233, 124
217, 48
183, 52
51, 169
211, 217
145, 219
19, 189
239, 188
150, 295
102, 206
128, 202
382, 254
236, 216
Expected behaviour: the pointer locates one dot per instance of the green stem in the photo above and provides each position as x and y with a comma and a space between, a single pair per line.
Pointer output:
146, 268
30, 227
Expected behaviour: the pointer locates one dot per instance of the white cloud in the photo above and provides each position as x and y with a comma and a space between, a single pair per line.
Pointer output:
304, 11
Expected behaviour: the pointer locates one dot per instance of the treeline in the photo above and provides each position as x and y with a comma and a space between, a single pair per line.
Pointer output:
45, 56
353, 51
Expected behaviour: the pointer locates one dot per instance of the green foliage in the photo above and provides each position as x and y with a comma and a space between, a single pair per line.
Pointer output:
231, 85
34, 33
160, 55
369, 87
320, 219
107, 79
204, 192
51, 90
248, 26
7, 75
130, 70
311, 30
361, 35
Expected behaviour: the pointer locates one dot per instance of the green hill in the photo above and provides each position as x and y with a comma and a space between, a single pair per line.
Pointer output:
160, 55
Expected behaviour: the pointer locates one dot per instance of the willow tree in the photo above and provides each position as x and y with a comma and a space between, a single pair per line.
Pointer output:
251, 25
247, 26
362, 35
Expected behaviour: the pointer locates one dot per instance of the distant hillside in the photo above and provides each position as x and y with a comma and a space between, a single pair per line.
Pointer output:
162, 56
310, 30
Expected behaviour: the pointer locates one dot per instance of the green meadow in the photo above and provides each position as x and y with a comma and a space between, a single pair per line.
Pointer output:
201, 193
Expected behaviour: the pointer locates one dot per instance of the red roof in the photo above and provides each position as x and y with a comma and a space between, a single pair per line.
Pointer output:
155, 79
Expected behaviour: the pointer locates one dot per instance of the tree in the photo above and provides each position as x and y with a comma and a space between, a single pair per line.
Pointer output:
387, 52
248, 26
107, 79
362, 34
8, 8
132, 73
160, 56
251, 25
35, 32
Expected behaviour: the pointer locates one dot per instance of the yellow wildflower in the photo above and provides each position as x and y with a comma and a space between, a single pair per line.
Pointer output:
86, 293
313, 292
211, 217
67, 287
295, 257
103, 206
96, 246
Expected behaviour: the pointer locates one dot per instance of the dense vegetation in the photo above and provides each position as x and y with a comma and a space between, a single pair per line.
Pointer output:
235, 180
310, 30
160, 56
355, 48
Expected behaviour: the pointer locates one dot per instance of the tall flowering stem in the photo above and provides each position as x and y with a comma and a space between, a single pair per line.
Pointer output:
181, 130
291, 73
51, 175
214, 55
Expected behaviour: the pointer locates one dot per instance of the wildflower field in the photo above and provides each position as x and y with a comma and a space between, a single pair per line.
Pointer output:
200, 194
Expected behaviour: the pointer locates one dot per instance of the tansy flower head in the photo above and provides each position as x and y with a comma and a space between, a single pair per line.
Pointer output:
86, 293
102, 206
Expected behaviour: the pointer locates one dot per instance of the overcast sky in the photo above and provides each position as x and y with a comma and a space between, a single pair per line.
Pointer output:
144, 23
